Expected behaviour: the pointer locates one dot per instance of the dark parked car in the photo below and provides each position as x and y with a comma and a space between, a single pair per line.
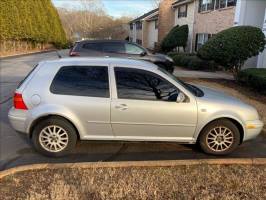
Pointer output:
119, 48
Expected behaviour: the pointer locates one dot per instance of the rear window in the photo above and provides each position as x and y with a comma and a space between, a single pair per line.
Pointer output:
31, 71
91, 81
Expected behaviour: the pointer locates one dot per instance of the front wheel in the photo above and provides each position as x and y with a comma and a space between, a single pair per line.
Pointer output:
220, 137
54, 137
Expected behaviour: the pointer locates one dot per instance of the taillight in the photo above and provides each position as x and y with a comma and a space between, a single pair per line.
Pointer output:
18, 102
73, 53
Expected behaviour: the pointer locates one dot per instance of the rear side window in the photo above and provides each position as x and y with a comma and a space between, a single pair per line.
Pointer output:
81, 81
113, 47
92, 47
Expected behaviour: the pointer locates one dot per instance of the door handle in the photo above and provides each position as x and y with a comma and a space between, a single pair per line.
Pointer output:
121, 107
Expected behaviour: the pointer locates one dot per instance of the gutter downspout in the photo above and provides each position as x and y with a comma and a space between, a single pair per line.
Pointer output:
192, 37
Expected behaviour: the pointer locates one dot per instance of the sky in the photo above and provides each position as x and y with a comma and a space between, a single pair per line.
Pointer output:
115, 8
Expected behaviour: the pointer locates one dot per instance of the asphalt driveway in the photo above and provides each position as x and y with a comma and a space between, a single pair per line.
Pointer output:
16, 149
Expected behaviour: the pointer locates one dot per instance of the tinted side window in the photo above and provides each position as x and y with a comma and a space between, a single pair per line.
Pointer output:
144, 85
110, 47
133, 49
81, 81
92, 47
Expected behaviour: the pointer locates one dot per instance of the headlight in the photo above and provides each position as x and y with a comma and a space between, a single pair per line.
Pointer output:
169, 59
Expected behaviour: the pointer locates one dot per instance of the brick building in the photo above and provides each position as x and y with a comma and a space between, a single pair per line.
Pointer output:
205, 18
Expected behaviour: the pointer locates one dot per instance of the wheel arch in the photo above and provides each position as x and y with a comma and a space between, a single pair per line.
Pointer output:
234, 121
44, 117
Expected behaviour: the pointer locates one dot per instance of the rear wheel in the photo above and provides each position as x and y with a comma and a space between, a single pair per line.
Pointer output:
220, 137
54, 137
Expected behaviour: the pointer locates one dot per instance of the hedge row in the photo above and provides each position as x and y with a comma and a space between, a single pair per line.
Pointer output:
31, 20
254, 78
191, 61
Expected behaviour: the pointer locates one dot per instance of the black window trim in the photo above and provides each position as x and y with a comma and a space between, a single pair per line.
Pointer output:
108, 75
114, 67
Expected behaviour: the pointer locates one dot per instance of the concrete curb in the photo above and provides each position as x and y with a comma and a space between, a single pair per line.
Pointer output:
26, 54
126, 164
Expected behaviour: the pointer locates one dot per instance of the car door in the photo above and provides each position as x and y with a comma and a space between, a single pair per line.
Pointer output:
84, 92
145, 108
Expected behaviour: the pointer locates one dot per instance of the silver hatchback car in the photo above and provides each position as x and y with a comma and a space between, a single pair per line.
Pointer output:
64, 100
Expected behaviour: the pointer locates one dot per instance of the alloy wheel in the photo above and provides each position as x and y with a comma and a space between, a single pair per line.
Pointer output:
53, 138
220, 139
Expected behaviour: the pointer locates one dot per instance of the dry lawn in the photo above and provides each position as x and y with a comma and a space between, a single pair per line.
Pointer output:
182, 182
232, 88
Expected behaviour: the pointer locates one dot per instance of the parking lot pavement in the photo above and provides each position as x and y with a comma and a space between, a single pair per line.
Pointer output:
16, 149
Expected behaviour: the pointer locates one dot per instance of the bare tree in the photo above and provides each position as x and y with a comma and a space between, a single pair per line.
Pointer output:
91, 21
156, 3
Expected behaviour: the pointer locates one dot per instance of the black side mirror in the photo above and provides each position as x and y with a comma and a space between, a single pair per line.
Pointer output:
144, 53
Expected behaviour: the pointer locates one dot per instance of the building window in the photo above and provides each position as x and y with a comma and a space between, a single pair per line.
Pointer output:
138, 25
182, 11
225, 3
130, 39
206, 5
156, 24
131, 26
139, 41
201, 39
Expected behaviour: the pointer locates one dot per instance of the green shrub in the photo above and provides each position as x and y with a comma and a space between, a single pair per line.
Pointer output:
177, 37
232, 47
254, 78
192, 61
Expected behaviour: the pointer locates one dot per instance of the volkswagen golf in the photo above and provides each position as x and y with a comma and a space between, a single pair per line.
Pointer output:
64, 100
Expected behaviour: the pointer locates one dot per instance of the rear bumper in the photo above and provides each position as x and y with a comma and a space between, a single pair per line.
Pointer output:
253, 129
17, 119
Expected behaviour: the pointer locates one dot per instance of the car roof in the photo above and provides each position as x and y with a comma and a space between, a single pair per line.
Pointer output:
101, 41
102, 61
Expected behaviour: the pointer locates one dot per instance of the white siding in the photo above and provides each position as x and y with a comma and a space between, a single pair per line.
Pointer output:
152, 34
189, 20
251, 12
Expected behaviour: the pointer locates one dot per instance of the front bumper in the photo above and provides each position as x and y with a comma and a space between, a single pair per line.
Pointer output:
17, 119
253, 129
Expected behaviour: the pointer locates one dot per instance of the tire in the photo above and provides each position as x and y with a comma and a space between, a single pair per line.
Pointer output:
47, 129
228, 140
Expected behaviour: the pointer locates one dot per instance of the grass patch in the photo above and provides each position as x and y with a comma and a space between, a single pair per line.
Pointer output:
181, 182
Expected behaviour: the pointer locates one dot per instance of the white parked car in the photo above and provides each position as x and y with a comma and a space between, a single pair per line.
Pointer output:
64, 100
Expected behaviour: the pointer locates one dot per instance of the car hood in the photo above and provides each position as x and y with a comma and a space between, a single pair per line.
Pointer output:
219, 101
218, 96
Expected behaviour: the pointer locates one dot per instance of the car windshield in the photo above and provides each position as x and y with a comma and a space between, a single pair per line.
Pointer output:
192, 88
